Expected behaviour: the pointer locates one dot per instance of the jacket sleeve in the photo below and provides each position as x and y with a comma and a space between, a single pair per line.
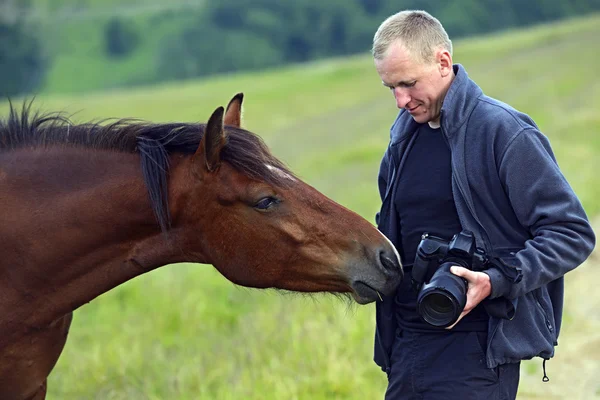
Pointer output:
545, 204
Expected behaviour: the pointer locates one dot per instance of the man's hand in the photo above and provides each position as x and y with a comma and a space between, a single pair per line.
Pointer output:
479, 288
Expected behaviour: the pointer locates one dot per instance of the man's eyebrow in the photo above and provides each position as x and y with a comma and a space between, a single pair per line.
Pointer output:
400, 83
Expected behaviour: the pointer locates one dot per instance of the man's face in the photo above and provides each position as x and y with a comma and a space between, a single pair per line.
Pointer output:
418, 87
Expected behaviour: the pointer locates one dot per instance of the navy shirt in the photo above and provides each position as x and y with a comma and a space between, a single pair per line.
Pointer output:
425, 203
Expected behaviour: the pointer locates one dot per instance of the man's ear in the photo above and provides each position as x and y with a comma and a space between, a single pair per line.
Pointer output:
444, 60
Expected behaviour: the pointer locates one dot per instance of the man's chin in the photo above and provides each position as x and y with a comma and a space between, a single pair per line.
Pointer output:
420, 119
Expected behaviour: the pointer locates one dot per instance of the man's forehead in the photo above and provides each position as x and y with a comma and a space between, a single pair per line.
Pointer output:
397, 66
399, 51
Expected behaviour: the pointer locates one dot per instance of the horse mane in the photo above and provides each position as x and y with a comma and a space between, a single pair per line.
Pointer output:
245, 151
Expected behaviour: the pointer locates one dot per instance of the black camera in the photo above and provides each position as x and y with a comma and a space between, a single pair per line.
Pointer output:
441, 294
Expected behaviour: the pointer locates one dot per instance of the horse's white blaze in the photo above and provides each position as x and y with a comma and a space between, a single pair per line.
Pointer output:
280, 172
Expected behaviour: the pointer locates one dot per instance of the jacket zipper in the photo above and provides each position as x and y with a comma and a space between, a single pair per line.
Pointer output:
544, 313
481, 228
462, 192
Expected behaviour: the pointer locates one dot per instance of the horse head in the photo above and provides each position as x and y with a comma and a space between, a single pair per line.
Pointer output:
261, 226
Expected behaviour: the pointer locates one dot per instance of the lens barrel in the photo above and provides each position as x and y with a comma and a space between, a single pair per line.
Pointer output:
441, 301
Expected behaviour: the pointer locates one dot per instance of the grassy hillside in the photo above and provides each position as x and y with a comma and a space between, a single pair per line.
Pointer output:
184, 332
79, 60
73, 34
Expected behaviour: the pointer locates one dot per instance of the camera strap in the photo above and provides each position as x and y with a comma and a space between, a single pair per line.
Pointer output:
513, 273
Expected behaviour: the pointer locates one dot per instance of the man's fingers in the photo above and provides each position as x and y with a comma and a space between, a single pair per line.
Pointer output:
458, 320
462, 272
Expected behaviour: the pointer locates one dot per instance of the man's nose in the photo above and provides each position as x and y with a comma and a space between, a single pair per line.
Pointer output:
402, 97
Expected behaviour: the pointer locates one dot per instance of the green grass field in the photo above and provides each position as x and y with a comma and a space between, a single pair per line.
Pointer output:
184, 332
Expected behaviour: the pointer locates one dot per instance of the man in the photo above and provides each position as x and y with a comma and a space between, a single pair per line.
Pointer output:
459, 160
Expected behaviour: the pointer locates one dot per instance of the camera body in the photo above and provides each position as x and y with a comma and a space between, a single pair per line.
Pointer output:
441, 294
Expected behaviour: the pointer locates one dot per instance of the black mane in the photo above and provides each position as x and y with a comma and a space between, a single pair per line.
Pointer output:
244, 150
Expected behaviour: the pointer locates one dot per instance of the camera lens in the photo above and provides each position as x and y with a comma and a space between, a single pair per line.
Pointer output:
441, 301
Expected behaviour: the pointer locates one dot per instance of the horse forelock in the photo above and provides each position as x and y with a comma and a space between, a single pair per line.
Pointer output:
245, 151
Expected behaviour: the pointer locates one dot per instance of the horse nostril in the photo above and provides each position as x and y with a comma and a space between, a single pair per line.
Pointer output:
390, 263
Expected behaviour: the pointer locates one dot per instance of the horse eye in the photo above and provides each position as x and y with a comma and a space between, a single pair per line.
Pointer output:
266, 203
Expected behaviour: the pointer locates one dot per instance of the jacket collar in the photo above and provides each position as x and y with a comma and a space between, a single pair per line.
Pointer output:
460, 100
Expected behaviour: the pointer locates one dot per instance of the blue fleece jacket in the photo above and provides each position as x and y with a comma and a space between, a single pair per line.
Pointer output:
510, 192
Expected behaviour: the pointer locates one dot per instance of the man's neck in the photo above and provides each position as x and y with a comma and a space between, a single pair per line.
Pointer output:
436, 123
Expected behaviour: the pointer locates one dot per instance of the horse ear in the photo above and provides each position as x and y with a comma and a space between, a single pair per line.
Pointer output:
233, 115
213, 141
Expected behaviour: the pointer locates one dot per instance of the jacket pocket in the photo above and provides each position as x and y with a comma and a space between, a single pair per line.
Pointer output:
527, 335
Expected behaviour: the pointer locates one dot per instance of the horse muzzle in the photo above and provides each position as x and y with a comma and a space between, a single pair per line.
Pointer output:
380, 277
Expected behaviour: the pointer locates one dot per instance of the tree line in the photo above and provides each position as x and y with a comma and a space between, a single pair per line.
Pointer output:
234, 35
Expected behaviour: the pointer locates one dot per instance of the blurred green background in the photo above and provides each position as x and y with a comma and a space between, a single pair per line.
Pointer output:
183, 331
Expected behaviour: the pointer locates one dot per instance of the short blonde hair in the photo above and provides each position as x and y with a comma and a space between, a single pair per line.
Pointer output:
420, 32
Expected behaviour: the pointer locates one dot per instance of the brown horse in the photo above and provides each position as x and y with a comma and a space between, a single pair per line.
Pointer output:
80, 214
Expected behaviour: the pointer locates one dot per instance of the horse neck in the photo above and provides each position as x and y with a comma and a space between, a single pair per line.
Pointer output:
76, 223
